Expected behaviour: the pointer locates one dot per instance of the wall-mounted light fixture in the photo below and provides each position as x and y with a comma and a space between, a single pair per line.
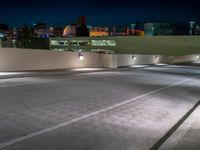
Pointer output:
80, 57
156, 57
197, 57
134, 57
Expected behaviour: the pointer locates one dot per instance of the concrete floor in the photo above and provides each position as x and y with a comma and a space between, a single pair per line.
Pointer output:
187, 136
128, 109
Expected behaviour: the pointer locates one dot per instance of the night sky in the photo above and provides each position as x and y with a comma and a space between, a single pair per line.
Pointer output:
98, 12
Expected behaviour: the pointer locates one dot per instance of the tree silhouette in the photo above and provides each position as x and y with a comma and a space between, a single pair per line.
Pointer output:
25, 36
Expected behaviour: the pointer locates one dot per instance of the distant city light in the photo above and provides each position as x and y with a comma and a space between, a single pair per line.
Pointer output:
1, 35
51, 28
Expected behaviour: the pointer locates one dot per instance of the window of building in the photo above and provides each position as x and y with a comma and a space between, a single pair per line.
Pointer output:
63, 42
106, 51
78, 50
59, 49
54, 42
103, 43
84, 43
59, 42
79, 42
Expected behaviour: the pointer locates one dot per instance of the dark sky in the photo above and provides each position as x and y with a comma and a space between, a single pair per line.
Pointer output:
98, 12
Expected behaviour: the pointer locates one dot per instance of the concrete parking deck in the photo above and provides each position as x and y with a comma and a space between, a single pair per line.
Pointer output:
187, 136
109, 110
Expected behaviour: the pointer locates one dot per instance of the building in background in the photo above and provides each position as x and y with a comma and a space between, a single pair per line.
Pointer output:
138, 33
7, 36
135, 29
44, 33
98, 31
81, 29
58, 31
81, 44
39, 36
70, 30
119, 30
127, 44
41, 31
125, 30
153, 29
39, 25
4, 30
180, 29
77, 30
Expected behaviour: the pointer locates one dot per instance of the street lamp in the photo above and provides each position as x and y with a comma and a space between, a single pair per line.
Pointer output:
191, 26
133, 28
197, 29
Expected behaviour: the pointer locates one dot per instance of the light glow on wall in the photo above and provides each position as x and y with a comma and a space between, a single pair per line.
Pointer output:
134, 57
80, 57
156, 57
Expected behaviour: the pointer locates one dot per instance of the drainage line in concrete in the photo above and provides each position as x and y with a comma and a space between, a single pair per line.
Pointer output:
174, 128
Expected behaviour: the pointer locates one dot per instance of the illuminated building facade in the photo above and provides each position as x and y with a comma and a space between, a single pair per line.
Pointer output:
154, 29
127, 44
91, 44
99, 31
41, 31
70, 30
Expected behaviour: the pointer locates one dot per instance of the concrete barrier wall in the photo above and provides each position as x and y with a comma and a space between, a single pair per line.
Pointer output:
109, 60
187, 58
12, 59
131, 59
